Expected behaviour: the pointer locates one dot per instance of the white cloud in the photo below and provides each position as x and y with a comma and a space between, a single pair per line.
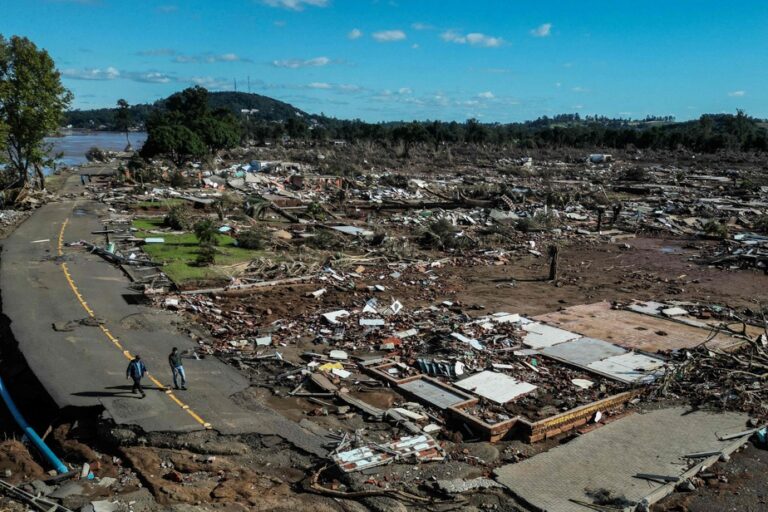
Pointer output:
737, 94
578, 88
355, 33
558, 84
487, 95
421, 26
209, 82
109, 73
543, 30
405, 90
112, 73
295, 5
209, 58
149, 77
299, 63
472, 39
319, 85
387, 36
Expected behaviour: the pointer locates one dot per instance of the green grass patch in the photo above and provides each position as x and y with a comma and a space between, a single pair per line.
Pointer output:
179, 252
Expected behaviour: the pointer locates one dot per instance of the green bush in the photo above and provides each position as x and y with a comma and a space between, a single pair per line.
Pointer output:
715, 229
251, 239
206, 232
179, 217
206, 255
441, 234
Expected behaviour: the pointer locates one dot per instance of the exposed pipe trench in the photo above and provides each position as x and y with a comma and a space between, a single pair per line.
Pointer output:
30, 432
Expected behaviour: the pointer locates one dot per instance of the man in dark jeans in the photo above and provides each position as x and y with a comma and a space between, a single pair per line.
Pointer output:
174, 360
136, 370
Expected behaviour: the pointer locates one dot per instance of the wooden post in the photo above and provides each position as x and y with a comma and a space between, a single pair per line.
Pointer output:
554, 251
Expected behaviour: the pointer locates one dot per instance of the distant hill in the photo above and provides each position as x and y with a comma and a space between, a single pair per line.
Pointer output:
262, 108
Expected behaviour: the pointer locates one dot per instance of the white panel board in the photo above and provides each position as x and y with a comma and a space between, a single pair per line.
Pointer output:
496, 387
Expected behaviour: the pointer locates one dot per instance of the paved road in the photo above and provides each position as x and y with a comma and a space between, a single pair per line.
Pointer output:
43, 283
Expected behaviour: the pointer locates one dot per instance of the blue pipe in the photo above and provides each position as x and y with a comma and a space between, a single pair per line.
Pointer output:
30, 433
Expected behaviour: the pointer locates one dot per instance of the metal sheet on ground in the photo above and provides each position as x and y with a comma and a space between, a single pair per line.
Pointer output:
583, 351
496, 387
541, 335
630, 367
432, 394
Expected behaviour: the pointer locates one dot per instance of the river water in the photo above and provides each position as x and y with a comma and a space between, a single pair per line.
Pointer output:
74, 145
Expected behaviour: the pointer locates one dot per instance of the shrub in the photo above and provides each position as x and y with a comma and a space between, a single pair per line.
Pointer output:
538, 222
326, 240
206, 232
315, 211
96, 155
178, 180
206, 255
715, 229
251, 239
441, 234
761, 224
178, 217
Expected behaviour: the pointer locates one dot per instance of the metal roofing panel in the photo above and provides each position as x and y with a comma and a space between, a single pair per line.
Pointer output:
583, 351
497, 387
541, 335
432, 394
630, 367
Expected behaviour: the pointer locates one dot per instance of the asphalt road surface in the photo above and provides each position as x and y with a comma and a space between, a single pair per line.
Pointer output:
43, 282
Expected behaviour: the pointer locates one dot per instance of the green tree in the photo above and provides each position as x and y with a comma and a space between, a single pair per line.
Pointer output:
175, 140
32, 105
207, 238
123, 119
186, 128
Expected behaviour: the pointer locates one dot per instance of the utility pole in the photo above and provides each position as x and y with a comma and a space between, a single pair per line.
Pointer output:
249, 84
235, 79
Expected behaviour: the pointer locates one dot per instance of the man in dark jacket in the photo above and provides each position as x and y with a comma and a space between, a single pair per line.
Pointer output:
174, 360
136, 371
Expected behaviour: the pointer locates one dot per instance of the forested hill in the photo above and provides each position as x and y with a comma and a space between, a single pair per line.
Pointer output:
262, 108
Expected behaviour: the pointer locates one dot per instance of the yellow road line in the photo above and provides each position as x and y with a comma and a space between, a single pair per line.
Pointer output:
113, 339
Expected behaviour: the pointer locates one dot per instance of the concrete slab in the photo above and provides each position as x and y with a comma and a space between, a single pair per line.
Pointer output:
609, 457
432, 394
633, 330
583, 351
541, 335
496, 387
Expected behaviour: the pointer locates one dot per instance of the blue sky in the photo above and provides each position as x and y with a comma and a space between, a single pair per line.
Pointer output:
378, 60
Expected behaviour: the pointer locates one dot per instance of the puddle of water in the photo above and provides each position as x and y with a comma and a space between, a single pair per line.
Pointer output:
79, 212
670, 250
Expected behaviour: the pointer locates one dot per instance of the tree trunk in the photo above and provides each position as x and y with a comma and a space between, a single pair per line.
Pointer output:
40, 176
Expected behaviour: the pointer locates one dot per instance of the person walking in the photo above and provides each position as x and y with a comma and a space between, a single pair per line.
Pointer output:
136, 371
174, 359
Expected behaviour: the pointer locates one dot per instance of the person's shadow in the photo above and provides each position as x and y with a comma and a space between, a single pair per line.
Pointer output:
120, 391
